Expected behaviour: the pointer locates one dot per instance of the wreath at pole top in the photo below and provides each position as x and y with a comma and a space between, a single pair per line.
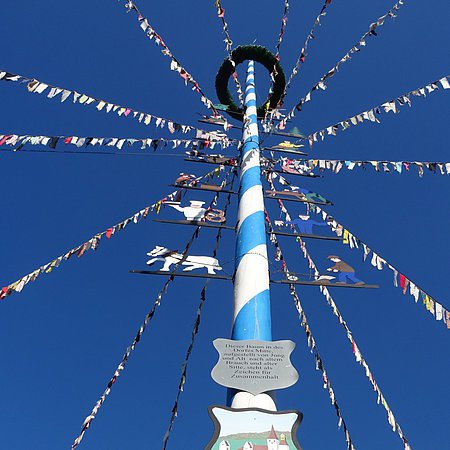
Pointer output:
258, 54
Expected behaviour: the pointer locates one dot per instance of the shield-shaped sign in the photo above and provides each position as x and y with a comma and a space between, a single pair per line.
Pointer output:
254, 428
254, 366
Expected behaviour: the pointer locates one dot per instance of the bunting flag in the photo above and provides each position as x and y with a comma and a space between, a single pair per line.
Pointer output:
149, 316
356, 351
94, 242
39, 87
284, 20
229, 47
174, 64
309, 336
335, 166
322, 83
304, 51
175, 408
439, 311
372, 114
19, 141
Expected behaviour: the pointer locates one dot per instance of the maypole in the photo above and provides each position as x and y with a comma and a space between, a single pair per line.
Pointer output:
250, 364
251, 318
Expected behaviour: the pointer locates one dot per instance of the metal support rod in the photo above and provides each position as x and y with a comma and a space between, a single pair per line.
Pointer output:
251, 318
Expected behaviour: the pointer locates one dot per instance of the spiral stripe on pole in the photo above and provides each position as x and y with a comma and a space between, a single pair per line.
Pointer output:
251, 286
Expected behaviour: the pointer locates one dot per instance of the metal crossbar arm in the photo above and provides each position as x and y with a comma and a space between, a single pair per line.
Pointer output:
204, 187
231, 162
308, 236
298, 200
296, 174
225, 227
327, 284
196, 223
284, 150
180, 274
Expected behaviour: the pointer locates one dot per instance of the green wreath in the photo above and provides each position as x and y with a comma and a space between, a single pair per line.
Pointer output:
258, 54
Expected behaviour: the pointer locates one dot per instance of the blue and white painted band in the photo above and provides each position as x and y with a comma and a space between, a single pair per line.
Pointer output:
252, 299
251, 318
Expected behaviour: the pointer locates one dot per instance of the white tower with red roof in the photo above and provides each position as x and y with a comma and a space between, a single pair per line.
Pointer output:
272, 440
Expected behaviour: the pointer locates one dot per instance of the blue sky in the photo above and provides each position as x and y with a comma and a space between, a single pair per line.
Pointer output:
64, 335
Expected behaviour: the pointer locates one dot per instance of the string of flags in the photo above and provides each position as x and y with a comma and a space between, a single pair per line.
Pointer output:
53, 92
19, 141
182, 382
439, 311
148, 317
372, 114
322, 83
303, 53
94, 242
229, 48
335, 166
309, 336
174, 64
196, 326
356, 351
284, 20
435, 308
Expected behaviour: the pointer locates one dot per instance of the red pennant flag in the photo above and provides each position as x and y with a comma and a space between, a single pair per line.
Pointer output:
4, 139
184, 74
109, 232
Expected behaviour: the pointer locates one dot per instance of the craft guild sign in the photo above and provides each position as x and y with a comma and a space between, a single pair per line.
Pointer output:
253, 428
254, 366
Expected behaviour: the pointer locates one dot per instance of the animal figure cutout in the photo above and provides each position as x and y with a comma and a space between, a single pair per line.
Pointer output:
171, 257
196, 212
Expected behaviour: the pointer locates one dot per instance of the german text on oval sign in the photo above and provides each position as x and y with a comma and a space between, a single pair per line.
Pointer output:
254, 366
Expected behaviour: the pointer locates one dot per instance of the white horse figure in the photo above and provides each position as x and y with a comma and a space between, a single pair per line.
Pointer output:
170, 257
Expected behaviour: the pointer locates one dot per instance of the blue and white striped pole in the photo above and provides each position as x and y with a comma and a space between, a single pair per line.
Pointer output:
251, 318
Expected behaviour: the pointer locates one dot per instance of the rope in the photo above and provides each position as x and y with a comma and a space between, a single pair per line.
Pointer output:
307, 166
149, 316
321, 84
373, 113
309, 336
39, 87
175, 65
303, 53
91, 244
284, 20
378, 261
194, 333
357, 353
229, 46
18, 141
